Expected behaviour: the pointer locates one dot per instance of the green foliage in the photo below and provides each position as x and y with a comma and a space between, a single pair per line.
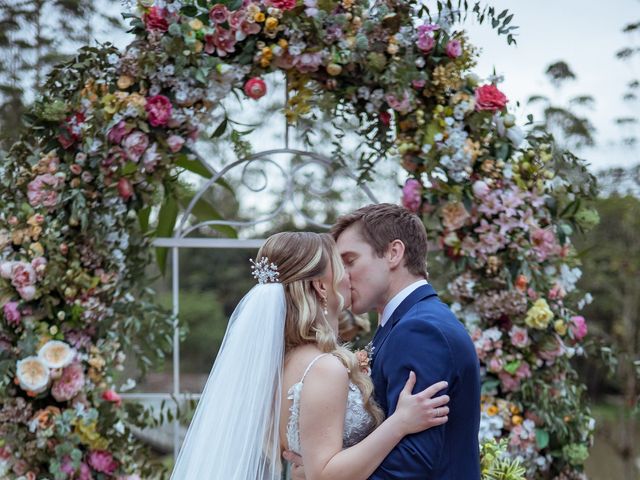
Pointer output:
496, 464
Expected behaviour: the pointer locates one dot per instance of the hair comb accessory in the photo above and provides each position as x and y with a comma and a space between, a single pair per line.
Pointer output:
264, 272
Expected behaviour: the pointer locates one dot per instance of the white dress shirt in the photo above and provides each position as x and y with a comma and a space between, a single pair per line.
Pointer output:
399, 297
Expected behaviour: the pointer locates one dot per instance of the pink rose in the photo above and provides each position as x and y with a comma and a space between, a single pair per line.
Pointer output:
219, 13
125, 188
426, 42
454, 49
578, 327
255, 88
102, 461
69, 384
403, 106
412, 195
175, 143
519, 337
135, 145
524, 371
495, 365
12, 313
158, 110
111, 396
117, 132
418, 84
489, 98
509, 382
42, 190
156, 20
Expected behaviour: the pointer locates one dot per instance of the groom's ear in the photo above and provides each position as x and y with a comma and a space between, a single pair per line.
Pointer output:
395, 254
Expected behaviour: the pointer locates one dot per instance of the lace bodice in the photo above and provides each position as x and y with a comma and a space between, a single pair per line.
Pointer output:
358, 423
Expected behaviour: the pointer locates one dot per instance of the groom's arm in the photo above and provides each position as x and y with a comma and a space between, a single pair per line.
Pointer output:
419, 346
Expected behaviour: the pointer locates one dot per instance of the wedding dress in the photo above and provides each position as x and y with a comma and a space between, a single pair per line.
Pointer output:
358, 422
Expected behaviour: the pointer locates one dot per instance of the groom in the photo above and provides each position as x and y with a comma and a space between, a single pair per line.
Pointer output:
384, 249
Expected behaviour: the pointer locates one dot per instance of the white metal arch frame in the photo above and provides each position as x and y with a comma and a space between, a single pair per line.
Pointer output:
180, 238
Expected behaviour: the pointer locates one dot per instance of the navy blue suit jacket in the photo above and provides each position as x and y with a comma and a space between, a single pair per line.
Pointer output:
423, 335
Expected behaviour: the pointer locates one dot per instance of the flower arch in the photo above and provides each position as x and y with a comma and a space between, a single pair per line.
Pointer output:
115, 127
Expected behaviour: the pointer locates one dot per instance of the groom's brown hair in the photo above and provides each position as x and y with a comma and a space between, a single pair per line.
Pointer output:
382, 223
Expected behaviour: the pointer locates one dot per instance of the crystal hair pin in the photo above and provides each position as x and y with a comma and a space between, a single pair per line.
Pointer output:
264, 272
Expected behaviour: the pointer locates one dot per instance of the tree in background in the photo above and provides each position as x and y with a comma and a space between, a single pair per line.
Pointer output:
34, 36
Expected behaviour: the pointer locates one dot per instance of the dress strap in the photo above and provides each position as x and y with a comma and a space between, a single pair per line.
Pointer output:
311, 365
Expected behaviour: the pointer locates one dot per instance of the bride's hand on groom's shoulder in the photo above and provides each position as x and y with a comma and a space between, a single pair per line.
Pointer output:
415, 413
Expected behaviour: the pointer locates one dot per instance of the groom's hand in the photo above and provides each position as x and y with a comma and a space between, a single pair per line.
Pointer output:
297, 468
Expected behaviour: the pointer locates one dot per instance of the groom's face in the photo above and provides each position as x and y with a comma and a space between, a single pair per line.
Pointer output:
369, 274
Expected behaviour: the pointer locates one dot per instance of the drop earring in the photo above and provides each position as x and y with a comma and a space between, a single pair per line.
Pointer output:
325, 306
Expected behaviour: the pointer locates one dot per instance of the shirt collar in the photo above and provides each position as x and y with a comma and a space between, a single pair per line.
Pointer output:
395, 302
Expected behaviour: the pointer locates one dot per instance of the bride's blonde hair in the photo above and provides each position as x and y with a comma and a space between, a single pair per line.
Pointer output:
302, 257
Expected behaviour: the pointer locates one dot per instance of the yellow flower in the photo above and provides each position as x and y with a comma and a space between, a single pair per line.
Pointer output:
196, 24
89, 436
271, 23
560, 327
539, 315
110, 103
136, 100
282, 43
492, 411
198, 46
259, 17
516, 420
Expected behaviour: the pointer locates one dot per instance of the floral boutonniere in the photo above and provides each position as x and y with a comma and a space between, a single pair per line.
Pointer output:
364, 357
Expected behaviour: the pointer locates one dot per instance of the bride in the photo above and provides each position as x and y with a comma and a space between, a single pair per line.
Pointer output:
281, 380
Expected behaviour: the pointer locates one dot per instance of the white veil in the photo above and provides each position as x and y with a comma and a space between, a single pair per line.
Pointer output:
234, 434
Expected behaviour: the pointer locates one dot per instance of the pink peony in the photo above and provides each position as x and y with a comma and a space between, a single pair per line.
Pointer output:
412, 195
158, 110
102, 461
222, 42
135, 144
22, 275
111, 396
69, 384
156, 20
12, 313
125, 188
219, 13
117, 132
426, 42
42, 190
578, 327
489, 98
519, 337
255, 88
454, 49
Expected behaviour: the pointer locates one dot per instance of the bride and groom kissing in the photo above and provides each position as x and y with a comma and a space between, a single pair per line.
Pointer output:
282, 384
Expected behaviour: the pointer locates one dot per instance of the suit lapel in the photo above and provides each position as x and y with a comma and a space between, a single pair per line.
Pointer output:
420, 293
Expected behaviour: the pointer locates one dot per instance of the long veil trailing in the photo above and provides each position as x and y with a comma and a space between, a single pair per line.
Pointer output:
234, 434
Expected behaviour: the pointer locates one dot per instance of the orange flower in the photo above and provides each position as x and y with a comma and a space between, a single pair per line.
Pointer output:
521, 283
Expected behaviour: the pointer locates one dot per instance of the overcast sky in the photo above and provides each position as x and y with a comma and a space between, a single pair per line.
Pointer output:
584, 33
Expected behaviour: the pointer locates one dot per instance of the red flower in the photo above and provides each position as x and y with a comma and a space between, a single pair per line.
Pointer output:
111, 396
125, 188
158, 110
489, 98
156, 20
385, 118
255, 88
71, 130
283, 4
